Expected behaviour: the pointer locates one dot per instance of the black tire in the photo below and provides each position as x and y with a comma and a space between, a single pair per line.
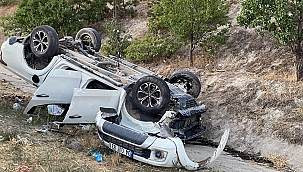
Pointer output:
151, 95
186, 81
44, 41
90, 39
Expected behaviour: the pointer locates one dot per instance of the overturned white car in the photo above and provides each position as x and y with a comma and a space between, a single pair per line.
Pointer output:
138, 112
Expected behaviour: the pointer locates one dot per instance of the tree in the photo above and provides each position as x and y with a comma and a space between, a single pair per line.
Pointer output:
191, 21
282, 18
116, 43
124, 8
66, 16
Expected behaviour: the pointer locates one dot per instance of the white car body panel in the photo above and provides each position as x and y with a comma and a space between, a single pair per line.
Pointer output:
55, 90
86, 102
172, 149
14, 57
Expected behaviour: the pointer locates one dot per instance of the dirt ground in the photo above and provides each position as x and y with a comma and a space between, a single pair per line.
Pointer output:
250, 88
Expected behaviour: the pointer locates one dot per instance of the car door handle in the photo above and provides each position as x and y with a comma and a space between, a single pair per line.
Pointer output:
42, 95
75, 116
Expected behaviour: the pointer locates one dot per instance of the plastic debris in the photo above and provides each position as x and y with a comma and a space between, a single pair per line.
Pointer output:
44, 129
54, 110
94, 154
24, 140
1, 138
17, 106
29, 120
98, 156
85, 127
55, 124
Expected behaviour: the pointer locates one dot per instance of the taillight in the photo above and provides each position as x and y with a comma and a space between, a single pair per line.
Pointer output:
1, 61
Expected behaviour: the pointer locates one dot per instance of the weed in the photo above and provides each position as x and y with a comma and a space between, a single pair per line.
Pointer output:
8, 135
278, 161
8, 2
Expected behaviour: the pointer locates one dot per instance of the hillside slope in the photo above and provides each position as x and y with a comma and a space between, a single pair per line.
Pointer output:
249, 87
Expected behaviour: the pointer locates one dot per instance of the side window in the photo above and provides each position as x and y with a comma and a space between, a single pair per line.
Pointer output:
98, 85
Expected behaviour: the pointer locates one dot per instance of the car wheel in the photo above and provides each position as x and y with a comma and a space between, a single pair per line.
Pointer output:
90, 39
151, 95
186, 81
44, 41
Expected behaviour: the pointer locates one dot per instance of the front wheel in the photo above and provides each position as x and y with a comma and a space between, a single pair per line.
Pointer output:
151, 95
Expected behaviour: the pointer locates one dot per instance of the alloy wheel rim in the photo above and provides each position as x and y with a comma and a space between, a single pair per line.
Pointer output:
149, 95
40, 42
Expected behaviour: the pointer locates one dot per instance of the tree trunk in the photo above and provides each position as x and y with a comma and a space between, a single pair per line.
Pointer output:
191, 61
299, 65
299, 52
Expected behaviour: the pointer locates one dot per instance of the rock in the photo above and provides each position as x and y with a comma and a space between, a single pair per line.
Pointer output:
76, 145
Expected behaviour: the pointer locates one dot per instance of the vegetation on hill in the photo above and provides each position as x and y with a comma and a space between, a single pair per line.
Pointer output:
283, 19
196, 26
192, 22
66, 17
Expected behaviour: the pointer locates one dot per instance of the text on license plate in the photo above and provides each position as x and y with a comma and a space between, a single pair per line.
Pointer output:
121, 150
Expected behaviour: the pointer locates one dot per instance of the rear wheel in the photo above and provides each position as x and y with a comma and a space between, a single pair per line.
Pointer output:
186, 81
90, 39
151, 95
44, 41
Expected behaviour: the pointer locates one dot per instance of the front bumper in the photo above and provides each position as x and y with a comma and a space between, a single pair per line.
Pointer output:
165, 152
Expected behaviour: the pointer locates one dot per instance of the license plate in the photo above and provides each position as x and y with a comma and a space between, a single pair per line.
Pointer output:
121, 150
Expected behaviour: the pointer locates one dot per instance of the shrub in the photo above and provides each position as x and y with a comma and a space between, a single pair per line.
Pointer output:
125, 8
150, 47
66, 16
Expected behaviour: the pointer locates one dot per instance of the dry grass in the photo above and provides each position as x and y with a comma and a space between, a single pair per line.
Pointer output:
26, 150
278, 161
285, 77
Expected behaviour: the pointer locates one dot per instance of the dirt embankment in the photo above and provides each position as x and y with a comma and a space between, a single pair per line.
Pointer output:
250, 88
